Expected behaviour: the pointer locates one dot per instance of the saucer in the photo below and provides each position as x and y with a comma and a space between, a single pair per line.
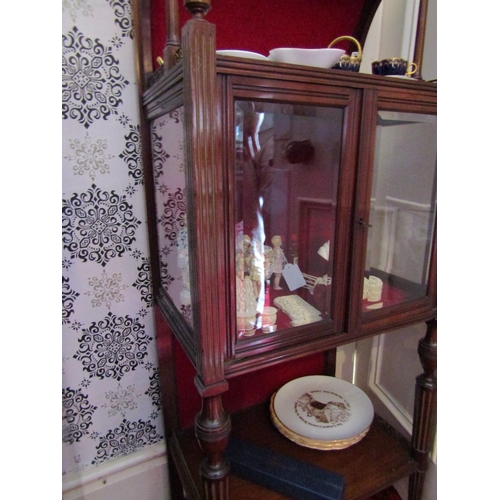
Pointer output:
242, 53
404, 77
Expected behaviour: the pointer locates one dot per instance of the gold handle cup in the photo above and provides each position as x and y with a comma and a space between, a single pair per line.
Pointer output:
411, 71
348, 63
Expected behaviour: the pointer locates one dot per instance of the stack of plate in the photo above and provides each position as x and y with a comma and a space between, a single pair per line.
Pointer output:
321, 412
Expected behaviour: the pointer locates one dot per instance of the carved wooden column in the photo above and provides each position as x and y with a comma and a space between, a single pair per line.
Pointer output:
424, 415
171, 54
203, 142
213, 426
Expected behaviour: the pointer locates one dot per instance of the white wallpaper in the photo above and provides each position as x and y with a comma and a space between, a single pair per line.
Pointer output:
110, 384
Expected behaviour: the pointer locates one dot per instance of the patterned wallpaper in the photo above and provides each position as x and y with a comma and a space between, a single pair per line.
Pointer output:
111, 403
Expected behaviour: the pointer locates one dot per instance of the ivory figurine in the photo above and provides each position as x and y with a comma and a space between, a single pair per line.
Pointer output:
279, 261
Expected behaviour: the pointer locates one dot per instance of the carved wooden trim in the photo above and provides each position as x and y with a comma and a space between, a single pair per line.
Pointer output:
141, 16
207, 260
181, 481
172, 48
424, 416
198, 8
418, 54
143, 62
205, 198
212, 428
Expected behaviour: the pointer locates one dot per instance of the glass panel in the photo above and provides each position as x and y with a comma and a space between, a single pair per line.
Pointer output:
287, 164
167, 138
402, 211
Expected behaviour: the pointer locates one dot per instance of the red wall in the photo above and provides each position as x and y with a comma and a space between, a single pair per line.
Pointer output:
262, 25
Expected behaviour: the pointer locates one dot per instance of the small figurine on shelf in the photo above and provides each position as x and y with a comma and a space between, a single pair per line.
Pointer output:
268, 262
254, 264
245, 295
279, 261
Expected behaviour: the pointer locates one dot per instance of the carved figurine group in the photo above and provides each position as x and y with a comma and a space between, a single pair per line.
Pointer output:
256, 264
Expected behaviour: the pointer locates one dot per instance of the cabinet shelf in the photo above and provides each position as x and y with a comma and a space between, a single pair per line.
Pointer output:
377, 461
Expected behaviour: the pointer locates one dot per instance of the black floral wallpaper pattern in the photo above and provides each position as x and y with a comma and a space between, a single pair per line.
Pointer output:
111, 404
112, 347
92, 82
98, 225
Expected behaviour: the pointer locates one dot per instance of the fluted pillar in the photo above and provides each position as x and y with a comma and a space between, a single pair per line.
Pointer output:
424, 415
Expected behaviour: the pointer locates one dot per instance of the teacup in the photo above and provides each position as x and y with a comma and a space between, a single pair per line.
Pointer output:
246, 322
269, 316
394, 66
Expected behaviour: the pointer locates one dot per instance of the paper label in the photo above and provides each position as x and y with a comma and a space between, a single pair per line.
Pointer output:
293, 277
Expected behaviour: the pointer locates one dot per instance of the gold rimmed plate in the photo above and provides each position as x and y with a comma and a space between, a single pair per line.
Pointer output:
322, 410
310, 443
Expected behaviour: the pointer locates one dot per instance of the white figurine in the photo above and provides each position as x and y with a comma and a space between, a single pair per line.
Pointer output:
245, 297
254, 263
279, 261
268, 262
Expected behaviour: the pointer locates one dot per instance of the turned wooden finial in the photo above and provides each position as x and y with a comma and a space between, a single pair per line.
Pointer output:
198, 8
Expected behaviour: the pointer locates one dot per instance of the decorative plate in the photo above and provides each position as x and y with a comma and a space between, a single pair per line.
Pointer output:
323, 409
337, 444
242, 53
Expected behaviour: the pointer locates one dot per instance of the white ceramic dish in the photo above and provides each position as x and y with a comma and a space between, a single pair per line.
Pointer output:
323, 408
338, 444
404, 77
319, 58
242, 53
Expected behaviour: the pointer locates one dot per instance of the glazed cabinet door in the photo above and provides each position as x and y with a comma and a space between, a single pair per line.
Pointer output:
395, 226
291, 163
171, 219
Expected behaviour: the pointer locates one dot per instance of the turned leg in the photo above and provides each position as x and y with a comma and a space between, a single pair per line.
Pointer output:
424, 415
213, 426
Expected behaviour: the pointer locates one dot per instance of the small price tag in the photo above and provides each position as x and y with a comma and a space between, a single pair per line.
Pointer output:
293, 277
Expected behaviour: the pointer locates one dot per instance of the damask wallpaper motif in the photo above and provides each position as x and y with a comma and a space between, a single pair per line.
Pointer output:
111, 402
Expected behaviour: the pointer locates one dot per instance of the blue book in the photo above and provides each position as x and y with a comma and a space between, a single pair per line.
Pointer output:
281, 473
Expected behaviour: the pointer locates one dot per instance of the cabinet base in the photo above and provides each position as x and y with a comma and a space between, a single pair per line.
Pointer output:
380, 459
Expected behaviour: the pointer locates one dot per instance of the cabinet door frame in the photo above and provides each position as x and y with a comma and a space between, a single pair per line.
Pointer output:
413, 311
247, 354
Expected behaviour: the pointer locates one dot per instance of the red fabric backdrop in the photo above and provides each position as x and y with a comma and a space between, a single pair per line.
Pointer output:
262, 25
245, 390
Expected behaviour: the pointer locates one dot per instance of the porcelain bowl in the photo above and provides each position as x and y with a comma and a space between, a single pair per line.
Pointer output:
319, 58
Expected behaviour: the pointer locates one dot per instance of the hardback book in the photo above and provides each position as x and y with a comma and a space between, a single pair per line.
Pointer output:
283, 474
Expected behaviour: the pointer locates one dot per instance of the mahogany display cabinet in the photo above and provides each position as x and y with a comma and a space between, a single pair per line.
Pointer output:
292, 210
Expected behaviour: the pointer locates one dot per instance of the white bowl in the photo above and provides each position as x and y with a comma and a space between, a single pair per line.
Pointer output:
319, 58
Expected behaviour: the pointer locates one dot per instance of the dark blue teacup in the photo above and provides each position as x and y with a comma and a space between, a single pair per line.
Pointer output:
393, 66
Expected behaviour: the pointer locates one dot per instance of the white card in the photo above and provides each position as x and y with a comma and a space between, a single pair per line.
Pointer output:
293, 277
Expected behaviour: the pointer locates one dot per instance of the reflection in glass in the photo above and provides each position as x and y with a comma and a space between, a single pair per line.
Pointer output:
170, 186
286, 165
402, 212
